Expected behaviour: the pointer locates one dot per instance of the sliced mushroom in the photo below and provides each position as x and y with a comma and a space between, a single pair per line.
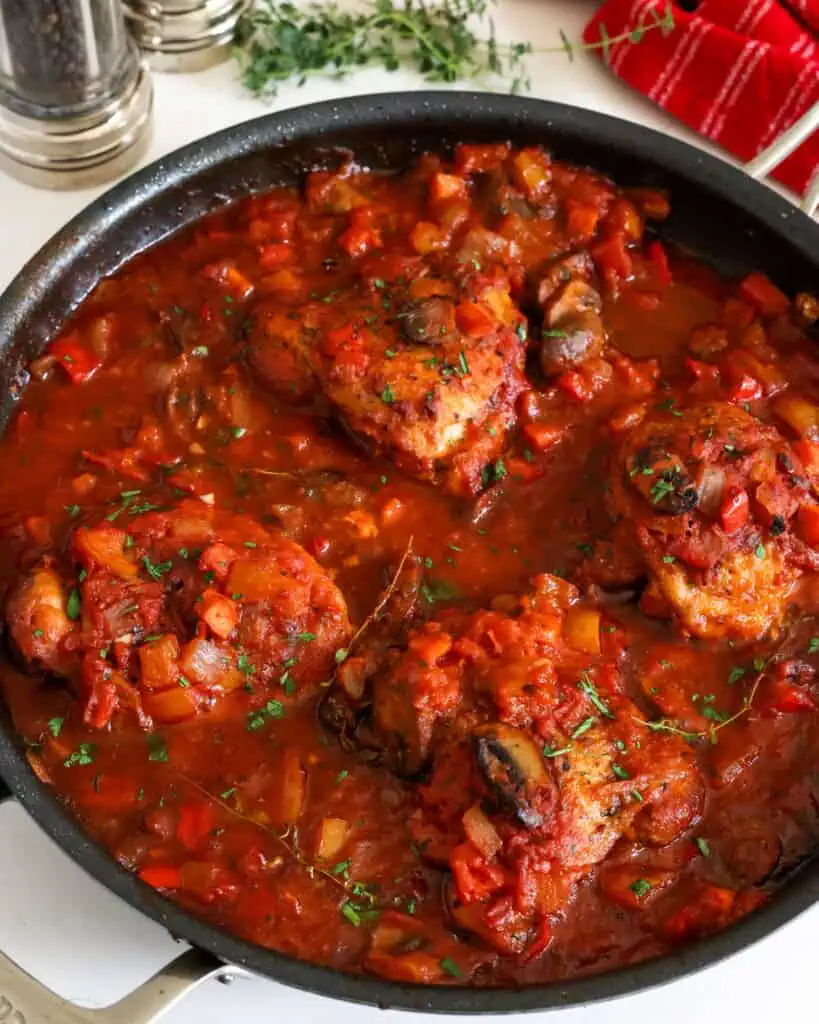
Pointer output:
558, 272
576, 296
578, 338
515, 772
428, 321
573, 329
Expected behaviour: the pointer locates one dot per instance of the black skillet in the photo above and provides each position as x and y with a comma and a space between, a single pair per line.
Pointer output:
717, 212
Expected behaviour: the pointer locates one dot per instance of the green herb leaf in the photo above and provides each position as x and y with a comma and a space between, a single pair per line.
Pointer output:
55, 725
640, 888
448, 966
84, 754
157, 748
73, 607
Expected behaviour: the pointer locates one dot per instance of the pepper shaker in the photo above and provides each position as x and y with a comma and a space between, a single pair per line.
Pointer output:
184, 35
76, 101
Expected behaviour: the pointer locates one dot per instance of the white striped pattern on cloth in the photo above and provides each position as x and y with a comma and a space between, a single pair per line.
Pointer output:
754, 12
789, 111
638, 9
684, 43
730, 78
699, 33
761, 50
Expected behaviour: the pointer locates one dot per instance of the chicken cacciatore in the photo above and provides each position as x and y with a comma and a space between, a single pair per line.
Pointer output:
416, 573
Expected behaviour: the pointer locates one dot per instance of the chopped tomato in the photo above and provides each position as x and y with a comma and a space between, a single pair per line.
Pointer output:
195, 823
78, 361
161, 876
761, 292
475, 877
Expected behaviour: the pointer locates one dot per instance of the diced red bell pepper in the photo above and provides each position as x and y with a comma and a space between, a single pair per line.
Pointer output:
808, 454
710, 908
736, 313
195, 823
542, 436
475, 878
702, 371
358, 239
274, 255
79, 362
762, 293
611, 256
659, 258
734, 509
473, 319
161, 876
783, 697
744, 389
807, 521
340, 337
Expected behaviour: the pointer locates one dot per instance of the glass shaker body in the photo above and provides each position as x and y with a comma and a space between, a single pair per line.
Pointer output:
74, 94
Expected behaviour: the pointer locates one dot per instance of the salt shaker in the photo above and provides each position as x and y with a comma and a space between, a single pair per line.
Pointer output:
184, 35
76, 101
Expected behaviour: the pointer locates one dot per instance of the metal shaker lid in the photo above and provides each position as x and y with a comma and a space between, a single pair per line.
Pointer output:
184, 35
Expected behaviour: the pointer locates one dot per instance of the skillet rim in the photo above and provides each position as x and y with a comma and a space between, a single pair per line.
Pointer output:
44, 272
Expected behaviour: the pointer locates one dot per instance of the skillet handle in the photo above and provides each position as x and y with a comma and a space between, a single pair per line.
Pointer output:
782, 148
23, 1000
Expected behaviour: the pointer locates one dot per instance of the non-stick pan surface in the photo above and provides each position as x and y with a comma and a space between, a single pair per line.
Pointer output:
717, 212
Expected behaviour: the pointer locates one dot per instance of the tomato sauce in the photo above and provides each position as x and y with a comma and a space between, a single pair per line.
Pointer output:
415, 573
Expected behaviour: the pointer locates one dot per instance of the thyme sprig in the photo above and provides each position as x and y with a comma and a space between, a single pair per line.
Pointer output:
761, 666
278, 41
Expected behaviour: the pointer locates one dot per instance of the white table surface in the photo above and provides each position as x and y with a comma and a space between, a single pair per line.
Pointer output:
91, 948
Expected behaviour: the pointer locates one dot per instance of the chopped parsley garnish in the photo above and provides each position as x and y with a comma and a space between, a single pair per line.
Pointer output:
553, 332
73, 510
200, 351
584, 726
737, 672
157, 748
72, 608
437, 590
619, 771
448, 966
759, 551
387, 395
342, 775
156, 570
257, 719
84, 754
702, 846
55, 725
813, 645
587, 686
640, 888
238, 432
462, 363
349, 911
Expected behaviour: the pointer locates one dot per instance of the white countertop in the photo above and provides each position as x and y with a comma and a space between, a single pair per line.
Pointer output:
87, 945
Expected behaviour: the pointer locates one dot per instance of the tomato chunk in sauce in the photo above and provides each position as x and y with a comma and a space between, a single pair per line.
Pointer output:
417, 573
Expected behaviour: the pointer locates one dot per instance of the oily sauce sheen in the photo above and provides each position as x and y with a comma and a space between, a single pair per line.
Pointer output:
416, 574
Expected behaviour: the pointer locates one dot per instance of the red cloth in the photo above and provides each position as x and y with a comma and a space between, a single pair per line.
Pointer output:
737, 71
